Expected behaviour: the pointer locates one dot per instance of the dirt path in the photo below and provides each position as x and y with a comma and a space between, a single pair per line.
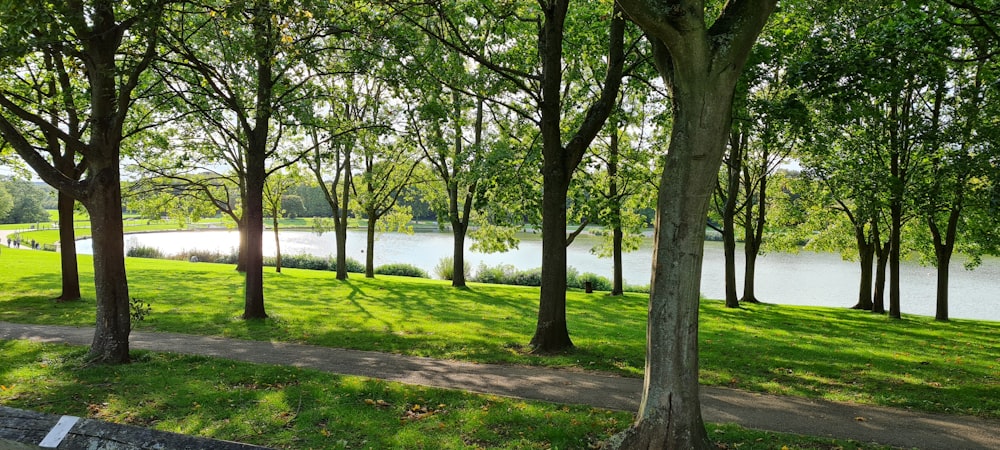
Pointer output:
887, 426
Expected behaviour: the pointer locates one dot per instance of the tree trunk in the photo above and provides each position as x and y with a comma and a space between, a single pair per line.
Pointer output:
895, 232
749, 273
944, 247
882, 255
734, 167
729, 249
67, 250
370, 247
617, 284
670, 411
341, 220
866, 258
241, 255
700, 66
340, 227
551, 332
458, 230
277, 244
618, 287
110, 345
755, 232
253, 214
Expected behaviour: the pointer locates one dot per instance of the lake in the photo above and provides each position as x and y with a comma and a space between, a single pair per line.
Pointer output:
807, 278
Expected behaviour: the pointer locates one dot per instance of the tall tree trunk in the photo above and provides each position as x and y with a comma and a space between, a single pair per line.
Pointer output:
700, 66
617, 283
551, 332
340, 227
882, 260
944, 247
458, 230
253, 213
895, 232
866, 258
67, 250
370, 246
241, 252
670, 411
341, 219
104, 204
277, 244
734, 166
755, 232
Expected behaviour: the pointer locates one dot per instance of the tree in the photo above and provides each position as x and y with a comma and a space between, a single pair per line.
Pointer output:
622, 177
240, 68
26, 204
545, 79
457, 161
275, 197
700, 65
58, 94
350, 108
112, 44
387, 169
6, 202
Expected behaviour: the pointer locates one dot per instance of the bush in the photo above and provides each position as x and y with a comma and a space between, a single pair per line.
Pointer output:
494, 275
445, 269
401, 270
206, 256
142, 251
530, 277
598, 282
353, 265
301, 261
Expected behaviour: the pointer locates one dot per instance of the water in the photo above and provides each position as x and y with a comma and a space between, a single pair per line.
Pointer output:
816, 279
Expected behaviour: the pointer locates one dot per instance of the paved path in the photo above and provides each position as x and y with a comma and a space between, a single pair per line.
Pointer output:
896, 427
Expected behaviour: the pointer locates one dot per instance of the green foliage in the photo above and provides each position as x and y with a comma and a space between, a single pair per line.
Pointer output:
445, 268
206, 256
27, 200
6, 202
138, 310
401, 270
312, 262
142, 251
597, 282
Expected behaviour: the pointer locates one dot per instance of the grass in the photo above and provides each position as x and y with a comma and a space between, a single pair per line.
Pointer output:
286, 407
833, 354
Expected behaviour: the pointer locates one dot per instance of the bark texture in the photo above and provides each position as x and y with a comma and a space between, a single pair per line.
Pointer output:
700, 66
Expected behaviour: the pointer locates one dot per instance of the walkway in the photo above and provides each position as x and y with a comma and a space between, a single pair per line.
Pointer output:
895, 427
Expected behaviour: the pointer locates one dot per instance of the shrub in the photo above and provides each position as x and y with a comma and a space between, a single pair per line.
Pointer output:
353, 266
445, 269
530, 277
206, 256
598, 282
302, 261
142, 251
500, 274
402, 270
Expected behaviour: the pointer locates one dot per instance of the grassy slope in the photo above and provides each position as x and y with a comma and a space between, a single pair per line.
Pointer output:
836, 354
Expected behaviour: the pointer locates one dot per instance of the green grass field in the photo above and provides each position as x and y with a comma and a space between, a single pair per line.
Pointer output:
834, 354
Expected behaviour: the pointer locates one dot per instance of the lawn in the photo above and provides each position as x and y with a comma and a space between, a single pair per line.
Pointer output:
285, 407
833, 354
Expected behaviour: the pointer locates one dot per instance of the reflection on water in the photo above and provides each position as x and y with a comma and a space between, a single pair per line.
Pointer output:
818, 279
